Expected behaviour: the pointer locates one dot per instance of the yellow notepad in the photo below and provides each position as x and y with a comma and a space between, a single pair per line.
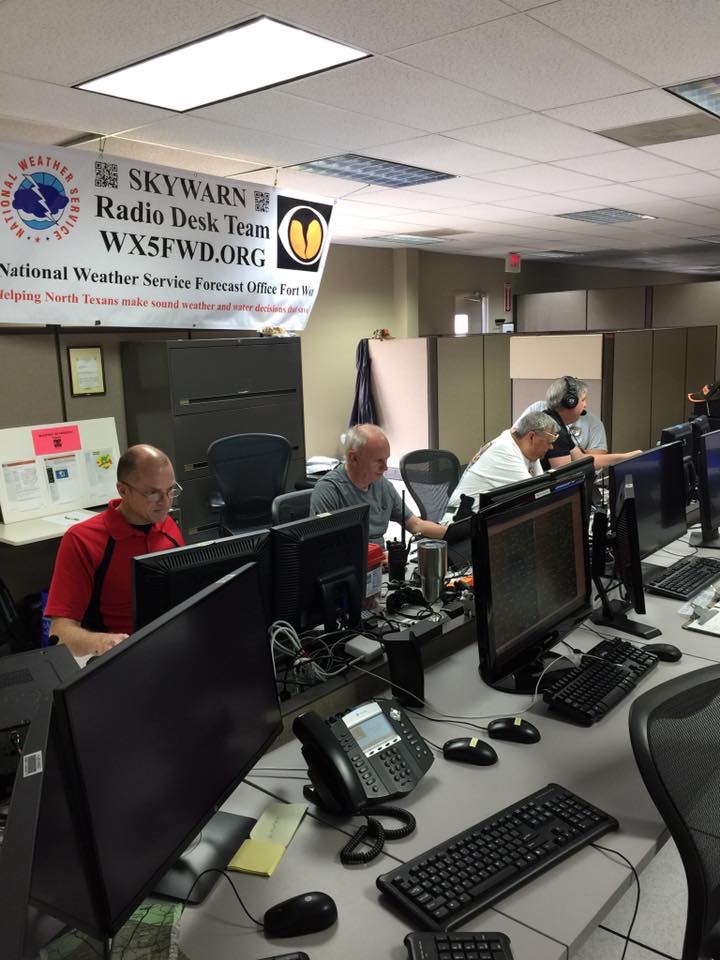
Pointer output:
269, 839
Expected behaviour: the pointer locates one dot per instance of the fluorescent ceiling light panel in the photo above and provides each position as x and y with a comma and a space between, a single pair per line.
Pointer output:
252, 56
383, 173
606, 215
408, 238
703, 93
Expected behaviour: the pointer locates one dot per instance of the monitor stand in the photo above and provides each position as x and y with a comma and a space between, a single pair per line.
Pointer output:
711, 542
613, 616
525, 679
212, 850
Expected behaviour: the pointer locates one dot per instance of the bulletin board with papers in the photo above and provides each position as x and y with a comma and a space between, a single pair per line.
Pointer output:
53, 469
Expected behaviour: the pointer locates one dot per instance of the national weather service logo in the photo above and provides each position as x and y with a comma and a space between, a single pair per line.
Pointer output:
303, 233
39, 199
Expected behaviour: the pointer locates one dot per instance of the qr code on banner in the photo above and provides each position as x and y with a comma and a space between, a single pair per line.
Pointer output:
106, 174
262, 202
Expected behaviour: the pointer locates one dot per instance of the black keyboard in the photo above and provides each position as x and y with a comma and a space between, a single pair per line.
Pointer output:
453, 881
607, 674
458, 946
684, 578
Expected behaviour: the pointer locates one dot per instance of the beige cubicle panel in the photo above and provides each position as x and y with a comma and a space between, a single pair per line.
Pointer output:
29, 375
668, 380
699, 362
628, 382
404, 393
461, 394
498, 386
536, 361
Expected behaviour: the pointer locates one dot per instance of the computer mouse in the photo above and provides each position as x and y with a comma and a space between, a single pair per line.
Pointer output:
513, 728
300, 915
469, 750
664, 651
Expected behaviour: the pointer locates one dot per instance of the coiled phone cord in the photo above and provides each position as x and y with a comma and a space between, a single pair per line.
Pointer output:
375, 834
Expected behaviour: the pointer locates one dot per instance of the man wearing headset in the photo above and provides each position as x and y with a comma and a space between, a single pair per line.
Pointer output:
565, 402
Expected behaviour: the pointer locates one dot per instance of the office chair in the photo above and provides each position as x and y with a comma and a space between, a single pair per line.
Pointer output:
250, 470
430, 476
675, 734
291, 506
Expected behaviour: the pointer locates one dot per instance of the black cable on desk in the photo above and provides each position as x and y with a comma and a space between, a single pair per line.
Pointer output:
622, 856
225, 874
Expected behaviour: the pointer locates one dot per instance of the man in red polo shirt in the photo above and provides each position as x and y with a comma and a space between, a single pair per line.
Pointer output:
90, 598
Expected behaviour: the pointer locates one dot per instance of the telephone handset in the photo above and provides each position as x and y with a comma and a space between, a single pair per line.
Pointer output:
367, 755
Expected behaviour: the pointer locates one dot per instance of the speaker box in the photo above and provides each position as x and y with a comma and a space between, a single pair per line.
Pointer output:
407, 675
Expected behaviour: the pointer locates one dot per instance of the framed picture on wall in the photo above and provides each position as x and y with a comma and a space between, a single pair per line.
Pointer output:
87, 374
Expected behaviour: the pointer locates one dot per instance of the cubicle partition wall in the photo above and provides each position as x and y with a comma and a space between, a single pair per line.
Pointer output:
459, 392
447, 392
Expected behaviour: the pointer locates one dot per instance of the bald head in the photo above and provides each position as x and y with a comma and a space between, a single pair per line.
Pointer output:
366, 454
139, 458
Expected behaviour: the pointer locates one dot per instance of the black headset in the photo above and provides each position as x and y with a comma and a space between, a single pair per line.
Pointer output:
571, 397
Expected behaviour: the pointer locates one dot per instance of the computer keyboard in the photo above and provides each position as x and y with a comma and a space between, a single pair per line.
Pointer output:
458, 878
684, 578
458, 946
607, 674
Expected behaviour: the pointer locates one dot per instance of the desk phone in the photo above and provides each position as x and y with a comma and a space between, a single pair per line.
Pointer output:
369, 754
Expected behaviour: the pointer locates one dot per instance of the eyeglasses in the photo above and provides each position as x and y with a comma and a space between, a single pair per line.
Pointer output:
155, 496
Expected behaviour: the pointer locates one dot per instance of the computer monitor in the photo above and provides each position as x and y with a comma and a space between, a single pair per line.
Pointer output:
686, 435
583, 468
164, 579
659, 489
145, 745
320, 569
531, 558
708, 475
626, 566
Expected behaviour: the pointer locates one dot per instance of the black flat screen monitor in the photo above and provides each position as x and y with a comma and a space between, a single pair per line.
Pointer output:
145, 744
162, 580
658, 483
532, 560
583, 468
627, 567
708, 477
320, 569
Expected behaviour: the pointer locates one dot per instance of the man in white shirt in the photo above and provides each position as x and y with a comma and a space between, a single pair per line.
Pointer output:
514, 455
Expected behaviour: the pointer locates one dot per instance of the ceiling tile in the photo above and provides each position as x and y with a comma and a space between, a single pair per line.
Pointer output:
535, 137
472, 190
449, 156
85, 38
377, 26
626, 164
193, 133
509, 59
171, 157
642, 35
688, 185
21, 130
391, 90
701, 153
547, 203
615, 195
310, 183
405, 199
545, 178
643, 106
273, 110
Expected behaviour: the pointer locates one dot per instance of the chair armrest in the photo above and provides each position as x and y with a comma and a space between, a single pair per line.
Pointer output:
216, 502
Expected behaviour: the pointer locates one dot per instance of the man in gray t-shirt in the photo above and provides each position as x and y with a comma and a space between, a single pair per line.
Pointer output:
360, 479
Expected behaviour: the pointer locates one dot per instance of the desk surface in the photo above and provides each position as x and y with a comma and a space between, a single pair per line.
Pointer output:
549, 917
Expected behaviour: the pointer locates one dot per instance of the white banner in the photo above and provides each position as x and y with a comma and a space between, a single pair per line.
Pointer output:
95, 240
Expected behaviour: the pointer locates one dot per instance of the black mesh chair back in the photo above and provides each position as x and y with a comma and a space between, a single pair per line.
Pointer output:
675, 734
250, 470
430, 476
291, 506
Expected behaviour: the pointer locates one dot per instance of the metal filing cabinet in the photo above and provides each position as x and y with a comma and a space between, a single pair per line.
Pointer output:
180, 395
